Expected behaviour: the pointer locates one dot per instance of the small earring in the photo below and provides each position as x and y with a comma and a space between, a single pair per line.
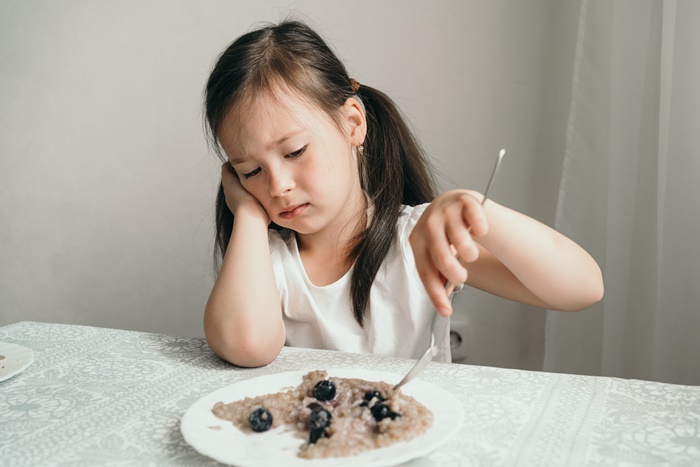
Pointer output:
361, 150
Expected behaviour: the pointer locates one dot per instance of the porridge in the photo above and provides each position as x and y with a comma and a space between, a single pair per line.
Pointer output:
336, 416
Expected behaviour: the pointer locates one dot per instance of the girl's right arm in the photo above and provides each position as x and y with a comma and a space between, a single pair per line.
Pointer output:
243, 318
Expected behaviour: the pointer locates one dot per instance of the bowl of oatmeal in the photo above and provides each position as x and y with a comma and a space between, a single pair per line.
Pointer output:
321, 417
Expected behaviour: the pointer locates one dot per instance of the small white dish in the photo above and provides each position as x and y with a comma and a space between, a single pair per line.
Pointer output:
14, 359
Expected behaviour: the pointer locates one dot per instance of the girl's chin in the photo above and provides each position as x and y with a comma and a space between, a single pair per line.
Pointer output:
302, 228
298, 227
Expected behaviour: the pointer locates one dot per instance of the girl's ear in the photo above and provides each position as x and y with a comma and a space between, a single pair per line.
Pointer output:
355, 120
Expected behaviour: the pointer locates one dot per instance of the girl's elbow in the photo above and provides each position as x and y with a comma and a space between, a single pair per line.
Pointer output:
247, 354
596, 289
599, 292
249, 357
591, 294
248, 350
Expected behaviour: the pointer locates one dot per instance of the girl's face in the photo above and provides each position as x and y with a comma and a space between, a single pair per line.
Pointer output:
296, 162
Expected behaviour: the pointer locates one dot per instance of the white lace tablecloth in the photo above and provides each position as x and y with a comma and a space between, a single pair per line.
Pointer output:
96, 396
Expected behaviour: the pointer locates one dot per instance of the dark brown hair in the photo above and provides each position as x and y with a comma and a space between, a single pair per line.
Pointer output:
394, 171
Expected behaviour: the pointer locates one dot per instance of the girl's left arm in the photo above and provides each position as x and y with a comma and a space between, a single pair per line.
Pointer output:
505, 252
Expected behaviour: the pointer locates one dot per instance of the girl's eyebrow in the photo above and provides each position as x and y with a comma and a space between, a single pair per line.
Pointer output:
284, 138
271, 145
238, 160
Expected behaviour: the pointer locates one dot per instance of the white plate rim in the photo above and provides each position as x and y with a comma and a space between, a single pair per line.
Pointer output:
195, 423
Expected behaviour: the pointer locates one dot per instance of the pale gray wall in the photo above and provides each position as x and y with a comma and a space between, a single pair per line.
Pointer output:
106, 183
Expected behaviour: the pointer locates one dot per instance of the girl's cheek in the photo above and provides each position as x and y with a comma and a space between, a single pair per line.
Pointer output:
251, 184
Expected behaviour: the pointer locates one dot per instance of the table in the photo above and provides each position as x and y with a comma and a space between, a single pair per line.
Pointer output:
97, 396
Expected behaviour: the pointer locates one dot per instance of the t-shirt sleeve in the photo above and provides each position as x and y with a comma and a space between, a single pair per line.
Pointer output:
407, 221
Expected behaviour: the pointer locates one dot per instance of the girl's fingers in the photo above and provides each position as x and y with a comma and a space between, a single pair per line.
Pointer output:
227, 173
458, 235
474, 217
234, 191
229, 178
442, 257
436, 263
463, 224
435, 287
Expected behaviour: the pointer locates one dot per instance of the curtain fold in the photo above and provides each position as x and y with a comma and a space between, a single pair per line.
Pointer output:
625, 156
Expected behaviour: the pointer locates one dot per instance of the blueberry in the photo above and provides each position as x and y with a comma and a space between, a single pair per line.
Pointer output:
319, 421
324, 390
374, 394
319, 418
369, 395
260, 419
382, 411
314, 406
315, 435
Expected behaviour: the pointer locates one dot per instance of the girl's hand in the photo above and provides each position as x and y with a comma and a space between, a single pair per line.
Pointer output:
446, 231
236, 195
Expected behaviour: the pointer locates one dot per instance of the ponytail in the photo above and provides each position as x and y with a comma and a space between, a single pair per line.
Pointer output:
396, 172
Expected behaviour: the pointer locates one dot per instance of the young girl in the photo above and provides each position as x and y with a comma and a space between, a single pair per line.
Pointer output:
327, 220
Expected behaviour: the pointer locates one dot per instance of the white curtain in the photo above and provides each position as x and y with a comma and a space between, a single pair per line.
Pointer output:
629, 192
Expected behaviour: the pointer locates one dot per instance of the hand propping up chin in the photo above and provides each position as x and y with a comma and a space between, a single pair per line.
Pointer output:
236, 195
443, 242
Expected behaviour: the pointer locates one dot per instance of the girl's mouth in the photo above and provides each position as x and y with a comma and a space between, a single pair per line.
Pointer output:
294, 212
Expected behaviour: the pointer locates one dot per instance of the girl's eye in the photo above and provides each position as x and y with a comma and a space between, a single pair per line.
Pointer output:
251, 174
296, 153
291, 155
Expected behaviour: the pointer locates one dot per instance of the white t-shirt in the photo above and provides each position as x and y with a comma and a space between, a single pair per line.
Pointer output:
397, 319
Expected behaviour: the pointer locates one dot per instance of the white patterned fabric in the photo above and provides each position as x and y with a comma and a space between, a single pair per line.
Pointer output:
96, 396
397, 323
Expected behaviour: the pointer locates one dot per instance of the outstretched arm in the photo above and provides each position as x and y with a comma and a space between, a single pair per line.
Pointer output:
505, 252
243, 319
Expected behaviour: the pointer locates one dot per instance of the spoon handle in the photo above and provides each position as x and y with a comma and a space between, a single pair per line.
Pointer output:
449, 287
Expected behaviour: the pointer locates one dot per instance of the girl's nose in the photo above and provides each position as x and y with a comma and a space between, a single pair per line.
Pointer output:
281, 183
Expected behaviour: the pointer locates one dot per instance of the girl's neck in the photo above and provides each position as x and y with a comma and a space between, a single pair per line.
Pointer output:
325, 254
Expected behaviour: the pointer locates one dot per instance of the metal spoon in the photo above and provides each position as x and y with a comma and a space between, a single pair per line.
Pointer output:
433, 349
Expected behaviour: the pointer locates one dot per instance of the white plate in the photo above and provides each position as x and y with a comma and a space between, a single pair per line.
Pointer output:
225, 443
17, 358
